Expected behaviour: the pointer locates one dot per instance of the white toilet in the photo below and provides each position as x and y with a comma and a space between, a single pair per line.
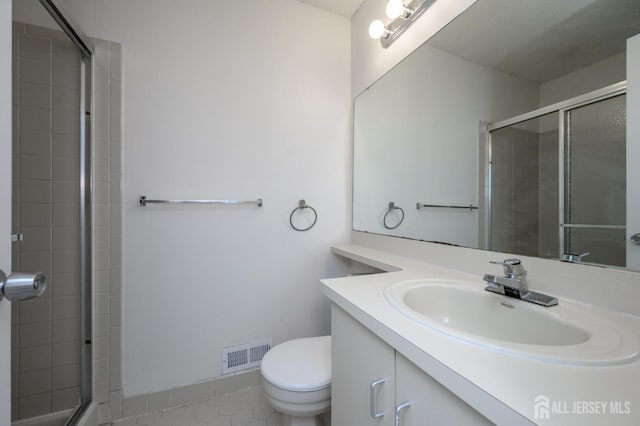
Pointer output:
296, 379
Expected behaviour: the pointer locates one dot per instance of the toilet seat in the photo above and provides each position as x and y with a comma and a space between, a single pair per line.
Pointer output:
300, 365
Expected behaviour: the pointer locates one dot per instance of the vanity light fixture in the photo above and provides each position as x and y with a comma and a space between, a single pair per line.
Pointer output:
378, 30
402, 15
396, 8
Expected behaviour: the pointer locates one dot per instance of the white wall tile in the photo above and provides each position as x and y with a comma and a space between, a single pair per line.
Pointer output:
35, 167
65, 331
66, 145
101, 370
35, 119
35, 95
64, 75
67, 284
65, 377
35, 143
65, 307
135, 405
101, 325
65, 216
34, 382
34, 47
66, 239
101, 391
35, 239
159, 400
101, 347
65, 192
65, 261
101, 148
35, 405
101, 190
101, 304
35, 310
35, 70
65, 353
35, 261
116, 157
101, 281
65, 398
104, 413
101, 173
65, 98
35, 191
34, 335
35, 215
34, 359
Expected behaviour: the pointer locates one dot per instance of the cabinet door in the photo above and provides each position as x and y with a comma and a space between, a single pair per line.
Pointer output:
431, 403
359, 359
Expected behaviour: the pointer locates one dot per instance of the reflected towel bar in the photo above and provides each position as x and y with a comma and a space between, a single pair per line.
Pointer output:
144, 201
469, 207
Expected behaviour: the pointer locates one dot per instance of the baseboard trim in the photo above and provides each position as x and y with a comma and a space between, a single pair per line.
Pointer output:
189, 394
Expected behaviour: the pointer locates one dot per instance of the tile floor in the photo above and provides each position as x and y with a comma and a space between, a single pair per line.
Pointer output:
246, 407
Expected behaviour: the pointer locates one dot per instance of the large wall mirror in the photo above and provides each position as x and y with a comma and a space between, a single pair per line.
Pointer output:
506, 131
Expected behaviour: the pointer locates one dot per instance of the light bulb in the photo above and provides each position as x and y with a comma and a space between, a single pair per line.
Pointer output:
395, 8
377, 29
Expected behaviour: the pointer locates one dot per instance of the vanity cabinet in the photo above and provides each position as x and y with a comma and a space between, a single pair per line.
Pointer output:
370, 381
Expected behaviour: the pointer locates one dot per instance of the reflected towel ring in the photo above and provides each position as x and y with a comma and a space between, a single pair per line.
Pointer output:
301, 206
392, 207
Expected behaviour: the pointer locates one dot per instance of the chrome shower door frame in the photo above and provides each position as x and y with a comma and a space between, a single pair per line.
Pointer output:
562, 108
85, 46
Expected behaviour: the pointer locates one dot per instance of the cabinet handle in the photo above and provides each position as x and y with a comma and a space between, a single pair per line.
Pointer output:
372, 401
399, 409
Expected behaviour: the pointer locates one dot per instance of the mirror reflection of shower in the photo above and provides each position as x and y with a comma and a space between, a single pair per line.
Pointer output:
544, 171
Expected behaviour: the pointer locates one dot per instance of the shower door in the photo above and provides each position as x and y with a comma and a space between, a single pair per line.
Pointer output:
557, 180
51, 227
595, 168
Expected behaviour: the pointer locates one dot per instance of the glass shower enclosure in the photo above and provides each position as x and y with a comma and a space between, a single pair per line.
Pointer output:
545, 169
51, 219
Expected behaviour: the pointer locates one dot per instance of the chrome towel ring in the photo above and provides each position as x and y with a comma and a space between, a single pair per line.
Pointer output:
301, 206
392, 207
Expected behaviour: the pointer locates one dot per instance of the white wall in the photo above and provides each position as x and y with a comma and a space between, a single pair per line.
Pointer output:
596, 76
234, 100
5, 206
369, 61
417, 125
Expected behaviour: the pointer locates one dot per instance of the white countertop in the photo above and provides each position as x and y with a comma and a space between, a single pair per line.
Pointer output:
500, 386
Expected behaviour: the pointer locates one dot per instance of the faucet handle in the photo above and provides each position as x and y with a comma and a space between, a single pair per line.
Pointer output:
512, 267
573, 258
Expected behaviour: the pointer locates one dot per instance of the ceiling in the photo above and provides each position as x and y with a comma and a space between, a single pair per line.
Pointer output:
543, 39
344, 8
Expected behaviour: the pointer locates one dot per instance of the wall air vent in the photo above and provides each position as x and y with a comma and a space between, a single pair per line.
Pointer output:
244, 357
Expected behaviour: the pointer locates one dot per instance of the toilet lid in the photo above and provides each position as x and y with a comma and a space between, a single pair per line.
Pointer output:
299, 365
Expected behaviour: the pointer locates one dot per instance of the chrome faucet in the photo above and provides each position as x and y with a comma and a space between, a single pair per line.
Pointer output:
514, 284
573, 258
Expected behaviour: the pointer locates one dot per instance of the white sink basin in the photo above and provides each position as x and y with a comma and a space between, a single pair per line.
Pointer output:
567, 333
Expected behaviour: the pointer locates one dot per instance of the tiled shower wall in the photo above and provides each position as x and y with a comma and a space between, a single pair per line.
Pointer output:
107, 254
46, 336
548, 211
515, 191
526, 192
46, 159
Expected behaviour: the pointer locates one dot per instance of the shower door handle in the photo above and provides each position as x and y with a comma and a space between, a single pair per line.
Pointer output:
635, 239
22, 285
